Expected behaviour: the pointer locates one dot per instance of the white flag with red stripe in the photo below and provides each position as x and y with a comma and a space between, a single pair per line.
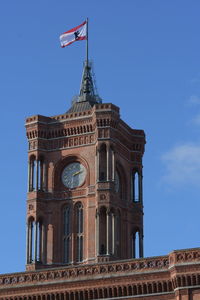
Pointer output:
77, 33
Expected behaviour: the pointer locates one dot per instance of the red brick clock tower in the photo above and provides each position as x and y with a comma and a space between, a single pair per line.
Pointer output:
84, 200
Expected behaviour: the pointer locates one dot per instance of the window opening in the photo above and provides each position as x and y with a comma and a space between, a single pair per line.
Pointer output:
79, 230
67, 235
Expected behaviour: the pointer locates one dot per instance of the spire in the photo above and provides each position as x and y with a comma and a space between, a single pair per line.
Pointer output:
87, 89
88, 95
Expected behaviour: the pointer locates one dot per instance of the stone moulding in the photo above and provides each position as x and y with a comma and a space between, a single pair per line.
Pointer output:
133, 267
123, 267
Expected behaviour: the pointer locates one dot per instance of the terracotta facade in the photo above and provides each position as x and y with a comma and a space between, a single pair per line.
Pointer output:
172, 277
110, 198
85, 213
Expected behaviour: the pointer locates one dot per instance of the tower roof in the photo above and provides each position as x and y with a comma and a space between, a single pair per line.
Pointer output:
88, 95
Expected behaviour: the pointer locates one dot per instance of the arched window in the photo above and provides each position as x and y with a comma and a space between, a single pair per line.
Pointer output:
31, 174
34, 240
136, 186
121, 182
118, 188
40, 175
67, 234
137, 255
36, 174
39, 240
30, 240
103, 163
79, 232
118, 234
135, 245
103, 230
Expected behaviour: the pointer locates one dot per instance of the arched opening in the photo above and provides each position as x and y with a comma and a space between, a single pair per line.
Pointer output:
121, 182
129, 290
30, 240
159, 287
120, 292
36, 174
118, 234
34, 240
136, 186
91, 294
189, 280
31, 173
144, 288
110, 293
118, 183
71, 296
198, 278
164, 286
102, 231
135, 245
57, 297
154, 287
170, 286
103, 163
105, 292
134, 290
139, 288
124, 291
41, 174
66, 234
79, 232
76, 296
194, 280
39, 240
100, 293
112, 232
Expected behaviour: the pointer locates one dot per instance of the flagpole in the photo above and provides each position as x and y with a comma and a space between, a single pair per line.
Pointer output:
87, 42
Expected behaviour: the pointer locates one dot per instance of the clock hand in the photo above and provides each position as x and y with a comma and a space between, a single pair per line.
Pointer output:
77, 173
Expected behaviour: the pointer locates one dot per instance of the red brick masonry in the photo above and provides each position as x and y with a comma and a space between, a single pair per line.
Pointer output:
174, 276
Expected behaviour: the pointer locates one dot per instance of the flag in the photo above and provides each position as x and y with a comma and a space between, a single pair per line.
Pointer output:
77, 33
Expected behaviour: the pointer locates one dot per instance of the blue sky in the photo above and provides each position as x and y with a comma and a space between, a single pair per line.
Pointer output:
146, 60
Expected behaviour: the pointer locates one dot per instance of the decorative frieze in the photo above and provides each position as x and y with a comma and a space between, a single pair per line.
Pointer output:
177, 257
147, 278
55, 144
126, 267
61, 195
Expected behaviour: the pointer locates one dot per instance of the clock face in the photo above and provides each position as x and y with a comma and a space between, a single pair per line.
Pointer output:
117, 182
73, 175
